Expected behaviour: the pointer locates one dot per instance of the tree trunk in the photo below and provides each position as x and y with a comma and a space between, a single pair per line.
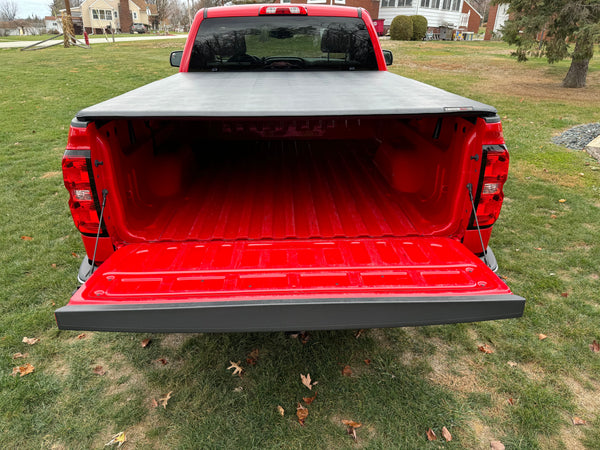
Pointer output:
577, 74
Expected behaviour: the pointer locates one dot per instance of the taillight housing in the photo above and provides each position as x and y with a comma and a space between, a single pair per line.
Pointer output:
495, 172
76, 175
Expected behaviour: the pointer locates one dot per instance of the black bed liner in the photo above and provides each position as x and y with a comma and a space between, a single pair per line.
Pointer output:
283, 94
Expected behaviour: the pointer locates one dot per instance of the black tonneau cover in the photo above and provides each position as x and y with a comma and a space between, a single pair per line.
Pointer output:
283, 94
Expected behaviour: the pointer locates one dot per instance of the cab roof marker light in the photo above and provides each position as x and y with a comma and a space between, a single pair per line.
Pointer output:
296, 10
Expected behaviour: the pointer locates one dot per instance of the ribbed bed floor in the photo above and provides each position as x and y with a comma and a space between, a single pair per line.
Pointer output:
288, 190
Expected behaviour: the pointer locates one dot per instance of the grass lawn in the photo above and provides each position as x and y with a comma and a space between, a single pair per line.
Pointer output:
525, 394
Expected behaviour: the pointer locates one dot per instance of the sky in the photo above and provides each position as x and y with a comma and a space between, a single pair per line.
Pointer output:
27, 8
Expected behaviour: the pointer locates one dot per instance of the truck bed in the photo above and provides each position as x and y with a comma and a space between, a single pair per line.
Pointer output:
283, 94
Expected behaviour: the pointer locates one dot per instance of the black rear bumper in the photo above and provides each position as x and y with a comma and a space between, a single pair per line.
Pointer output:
293, 314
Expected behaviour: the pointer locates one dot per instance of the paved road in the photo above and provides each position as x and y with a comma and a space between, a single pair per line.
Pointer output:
93, 40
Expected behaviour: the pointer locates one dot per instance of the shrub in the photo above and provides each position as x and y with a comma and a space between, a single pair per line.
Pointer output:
401, 28
419, 27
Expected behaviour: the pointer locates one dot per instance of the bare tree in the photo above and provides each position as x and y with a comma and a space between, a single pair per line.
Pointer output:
8, 10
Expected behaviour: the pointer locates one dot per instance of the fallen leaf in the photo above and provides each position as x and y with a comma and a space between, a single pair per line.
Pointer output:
27, 238
252, 357
74, 255
237, 370
522, 99
118, 439
562, 200
367, 361
595, 347
154, 403
306, 381
446, 434
485, 348
431, 435
23, 370
553, 216
497, 445
280, 410
145, 343
238, 389
512, 364
538, 248
302, 413
304, 337
81, 336
352, 424
564, 294
542, 336
511, 401
309, 400
163, 361
99, 370
352, 432
347, 371
20, 355
164, 400
578, 421
359, 333
30, 341
53, 266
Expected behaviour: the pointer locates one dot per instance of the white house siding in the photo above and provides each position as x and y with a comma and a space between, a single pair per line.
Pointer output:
501, 17
436, 17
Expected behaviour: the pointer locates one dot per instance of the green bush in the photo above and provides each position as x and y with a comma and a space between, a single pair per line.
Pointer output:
419, 24
401, 28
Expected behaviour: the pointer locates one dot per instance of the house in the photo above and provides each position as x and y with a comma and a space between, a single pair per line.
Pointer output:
497, 17
439, 13
471, 17
372, 6
98, 15
22, 27
52, 24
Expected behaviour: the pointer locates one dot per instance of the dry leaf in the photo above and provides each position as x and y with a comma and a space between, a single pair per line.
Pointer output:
352, 433
352, 424
359, 333
280, 410
541, 336
512, 364
27, 238
164, 400
30, 341
485, 348
81, 336
564, 294
347, 371
74, 255
309, 400
595, 347
237, 370
154, 403
306, 381
511, 401
302, 413
304, 337
118, 439
23, 370
367, 361
497, 445
562, 200
163, 361
252, 357
20, 355
446, 434
99, 370
553, 216
431, 435
578, 421
145, 343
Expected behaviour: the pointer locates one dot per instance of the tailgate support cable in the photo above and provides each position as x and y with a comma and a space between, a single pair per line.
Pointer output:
470, 189
104, 195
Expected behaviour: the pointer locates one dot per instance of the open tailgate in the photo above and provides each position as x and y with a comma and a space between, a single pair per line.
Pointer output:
221, 286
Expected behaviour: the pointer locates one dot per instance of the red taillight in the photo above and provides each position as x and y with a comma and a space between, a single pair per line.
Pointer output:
81, 196
494, 176
295, 10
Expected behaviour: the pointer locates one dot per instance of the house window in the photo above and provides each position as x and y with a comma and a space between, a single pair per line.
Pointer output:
134, 15
435, 4
339, 2
446, 5
102, 14
95, 14
404, 3
286, 1
116, 14
455, 5
424, 3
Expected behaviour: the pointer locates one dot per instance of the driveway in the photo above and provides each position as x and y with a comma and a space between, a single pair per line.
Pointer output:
93, 40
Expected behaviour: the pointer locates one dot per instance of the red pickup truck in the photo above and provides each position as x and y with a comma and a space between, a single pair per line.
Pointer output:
285, 180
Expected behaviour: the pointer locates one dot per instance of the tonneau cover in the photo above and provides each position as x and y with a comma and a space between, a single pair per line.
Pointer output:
283, 94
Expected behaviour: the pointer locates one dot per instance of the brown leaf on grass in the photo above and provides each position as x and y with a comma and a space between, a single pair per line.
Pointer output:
309, 400
347, 371
162, 361
367, 362
485, 348
511, 401
352, 426
145, 343
23, 370
165, 399
542, 336
81, 336
53, 266
431, 435
578, 421
99, 370
594, 346
562, 200
237, 370
252, 357
497, 445
30, 341
306, 381
20, 355
154, 403
564, 294
27, 238
304, 337
359, 333
446, 434
118, 439
280, 410
74, 255
553, 216
302, 413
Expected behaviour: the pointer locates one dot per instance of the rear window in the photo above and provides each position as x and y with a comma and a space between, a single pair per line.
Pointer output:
282, 43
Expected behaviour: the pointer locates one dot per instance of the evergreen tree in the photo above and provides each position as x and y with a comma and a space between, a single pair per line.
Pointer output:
552, 27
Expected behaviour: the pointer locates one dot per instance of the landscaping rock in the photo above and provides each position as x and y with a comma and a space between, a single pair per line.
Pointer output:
577, 138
